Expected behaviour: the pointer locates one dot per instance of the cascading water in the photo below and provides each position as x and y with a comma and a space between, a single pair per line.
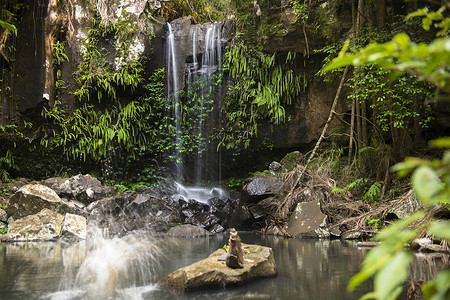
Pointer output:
173, 99
203, 75
201, 106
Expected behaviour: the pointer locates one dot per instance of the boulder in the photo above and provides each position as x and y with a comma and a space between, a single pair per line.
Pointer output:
127, 212
405, 206
212, 272
308, 221
43, 226
83, 188
428, 245
31, 199
241, 218
188, 230
291, 160
3, 216
74, 227
275, 168
259, 188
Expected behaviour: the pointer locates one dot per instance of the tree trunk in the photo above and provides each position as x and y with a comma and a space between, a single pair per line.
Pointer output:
417, 127
380, 11
359, 14
286, 205
352, 129
365, 139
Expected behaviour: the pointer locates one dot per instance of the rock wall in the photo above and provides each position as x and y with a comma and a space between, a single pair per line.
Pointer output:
69, 21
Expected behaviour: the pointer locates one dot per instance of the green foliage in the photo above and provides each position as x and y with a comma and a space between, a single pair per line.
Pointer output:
301, 7
201, 10
426, 62
6, 162
389, 262
428, 18
9, 27
374, 192
362, 188
58, 53
394, 102
262, 87
97, 76
431, 179
373, 222
3, 230
233, 182
226, 248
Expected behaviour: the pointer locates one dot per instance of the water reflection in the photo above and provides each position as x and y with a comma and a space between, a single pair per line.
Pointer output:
308, 269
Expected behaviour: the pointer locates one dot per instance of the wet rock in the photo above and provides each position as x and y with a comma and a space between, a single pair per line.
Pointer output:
368, 244
427, 245
352, 235
223, 207
43, 226
207, 220
16, 185
187, 214
291, 160
259, 188
83, 188
217, 228
3, 216
275, 168
197, 206
308, 221
31, 199
406, 206
127, 212
212, 272
74, 228
241, 219
188, 230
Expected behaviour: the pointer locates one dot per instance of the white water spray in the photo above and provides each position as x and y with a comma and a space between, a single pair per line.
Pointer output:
115, 268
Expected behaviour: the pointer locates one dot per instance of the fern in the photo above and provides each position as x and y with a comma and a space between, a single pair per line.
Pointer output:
263, 87
374, 192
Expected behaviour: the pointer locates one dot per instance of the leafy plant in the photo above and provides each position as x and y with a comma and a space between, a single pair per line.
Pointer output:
374, 222
389, 262
262, 87
3, 230
6, 162
374, 192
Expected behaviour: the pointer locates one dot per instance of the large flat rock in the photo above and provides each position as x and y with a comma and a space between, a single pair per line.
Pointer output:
212, 272
31, 199
307, 220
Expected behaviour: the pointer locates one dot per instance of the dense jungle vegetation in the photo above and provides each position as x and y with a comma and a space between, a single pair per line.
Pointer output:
394, 64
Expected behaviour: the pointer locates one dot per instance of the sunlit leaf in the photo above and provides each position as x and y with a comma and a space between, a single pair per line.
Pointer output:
410, 163
9, 27
392, 275
439, 288
426, 184
443, 142
441, 229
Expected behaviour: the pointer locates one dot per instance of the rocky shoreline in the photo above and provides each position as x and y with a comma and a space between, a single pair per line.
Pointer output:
66, 208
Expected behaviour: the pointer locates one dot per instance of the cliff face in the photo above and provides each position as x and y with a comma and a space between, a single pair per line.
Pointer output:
48, 22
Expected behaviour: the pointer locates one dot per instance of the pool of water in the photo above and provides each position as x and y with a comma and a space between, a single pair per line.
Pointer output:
308, 269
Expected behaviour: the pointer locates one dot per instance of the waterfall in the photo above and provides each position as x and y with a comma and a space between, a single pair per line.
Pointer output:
211, 63
173, 99
199, 104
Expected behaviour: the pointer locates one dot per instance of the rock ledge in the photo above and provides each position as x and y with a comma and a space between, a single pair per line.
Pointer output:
212, 272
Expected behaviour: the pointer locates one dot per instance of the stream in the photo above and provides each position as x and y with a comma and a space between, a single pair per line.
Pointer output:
308, 269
